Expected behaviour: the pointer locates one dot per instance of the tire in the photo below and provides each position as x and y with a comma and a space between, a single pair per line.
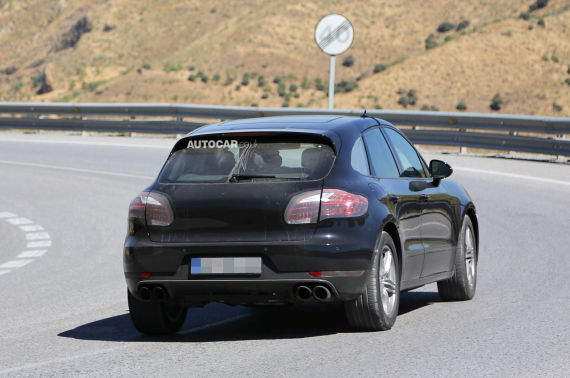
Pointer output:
461, 286
155, 318
376, 308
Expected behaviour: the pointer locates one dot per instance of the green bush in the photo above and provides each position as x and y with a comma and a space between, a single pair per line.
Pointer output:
216, 77
361, 76
496, 102
254, 104
379, 68
277, 80
446, 26
538, 4
345, 86
191, 68
462, 25
281, 90
348, 61
524, 15
260, 81
541, 23
146, 66
567, 81
245, 79
192, 78
204, 78
430, 42
461, 106
229, 80
265, 96
306, 84
293, 88
38, 79
285, 104
556, 107
320, 85
554, 58
296, 95
409, 99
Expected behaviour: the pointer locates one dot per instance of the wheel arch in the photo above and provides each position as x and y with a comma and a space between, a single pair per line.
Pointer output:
392, 229
472, 214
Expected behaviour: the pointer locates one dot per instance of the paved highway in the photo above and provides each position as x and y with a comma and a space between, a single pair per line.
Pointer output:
63, 310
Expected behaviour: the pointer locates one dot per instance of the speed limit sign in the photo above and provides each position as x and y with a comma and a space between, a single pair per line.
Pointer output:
334, 35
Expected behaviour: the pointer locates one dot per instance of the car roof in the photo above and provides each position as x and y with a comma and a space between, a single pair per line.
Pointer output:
318, 124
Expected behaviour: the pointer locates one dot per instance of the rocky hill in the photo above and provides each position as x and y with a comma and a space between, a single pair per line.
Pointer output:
509, 56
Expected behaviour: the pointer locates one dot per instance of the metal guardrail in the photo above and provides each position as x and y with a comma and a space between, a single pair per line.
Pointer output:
489, 131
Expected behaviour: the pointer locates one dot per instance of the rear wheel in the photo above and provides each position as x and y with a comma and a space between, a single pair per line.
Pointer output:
155, 318
377, 307
461, 286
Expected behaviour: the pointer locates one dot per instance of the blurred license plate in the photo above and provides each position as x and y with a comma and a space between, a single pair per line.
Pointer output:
225, 265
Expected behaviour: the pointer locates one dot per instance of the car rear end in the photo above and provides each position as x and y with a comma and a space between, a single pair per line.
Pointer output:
247, 218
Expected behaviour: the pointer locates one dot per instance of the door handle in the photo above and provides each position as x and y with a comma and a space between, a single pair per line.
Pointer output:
424, 197
394, 199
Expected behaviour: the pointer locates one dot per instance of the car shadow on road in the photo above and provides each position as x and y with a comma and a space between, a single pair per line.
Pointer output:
217, 322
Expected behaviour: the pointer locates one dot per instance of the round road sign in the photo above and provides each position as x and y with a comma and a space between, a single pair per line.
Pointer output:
334, 34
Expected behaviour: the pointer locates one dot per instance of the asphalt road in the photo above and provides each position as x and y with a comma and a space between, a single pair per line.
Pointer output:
64, 311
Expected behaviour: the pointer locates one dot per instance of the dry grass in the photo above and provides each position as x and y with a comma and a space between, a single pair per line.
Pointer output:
497, 53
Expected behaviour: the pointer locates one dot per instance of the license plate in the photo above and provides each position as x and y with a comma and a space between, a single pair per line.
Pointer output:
225, 265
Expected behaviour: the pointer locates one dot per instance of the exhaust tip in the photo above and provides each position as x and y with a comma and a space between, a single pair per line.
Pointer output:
303, 293
144, 293
321, 293
158, 293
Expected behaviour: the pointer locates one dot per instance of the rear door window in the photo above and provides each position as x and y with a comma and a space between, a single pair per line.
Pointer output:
407, 154
217, 160
358, 158
381, 159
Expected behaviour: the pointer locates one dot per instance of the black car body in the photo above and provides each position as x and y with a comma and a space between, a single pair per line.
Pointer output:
294, 213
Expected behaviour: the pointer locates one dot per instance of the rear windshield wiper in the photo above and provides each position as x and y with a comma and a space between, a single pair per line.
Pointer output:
236, 177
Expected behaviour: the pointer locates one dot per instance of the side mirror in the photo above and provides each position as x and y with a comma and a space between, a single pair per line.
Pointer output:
439, 170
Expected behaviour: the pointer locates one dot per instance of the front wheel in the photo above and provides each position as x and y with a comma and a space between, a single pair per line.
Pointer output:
155, 318
377, 307
461, 286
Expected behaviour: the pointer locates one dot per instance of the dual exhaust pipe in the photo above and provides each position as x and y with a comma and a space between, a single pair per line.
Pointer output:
320, 293
152, 293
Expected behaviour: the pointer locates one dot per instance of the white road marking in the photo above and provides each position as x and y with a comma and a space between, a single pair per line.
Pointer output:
15, 264
37, 235
20, 220
34, 240
513, 175
169, 147
81, 170
39, 244
36, 253
31, 227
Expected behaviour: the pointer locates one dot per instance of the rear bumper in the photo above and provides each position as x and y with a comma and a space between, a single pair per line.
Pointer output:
285, 266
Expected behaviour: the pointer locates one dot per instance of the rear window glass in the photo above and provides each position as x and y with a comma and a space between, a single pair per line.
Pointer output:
232, 160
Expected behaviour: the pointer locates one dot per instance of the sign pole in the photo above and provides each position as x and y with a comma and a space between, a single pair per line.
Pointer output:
331, 82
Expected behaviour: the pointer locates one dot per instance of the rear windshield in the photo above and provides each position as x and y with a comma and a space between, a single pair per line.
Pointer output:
237, 160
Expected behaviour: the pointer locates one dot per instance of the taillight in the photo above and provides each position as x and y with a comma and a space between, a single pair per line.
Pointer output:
152, 209
333, 203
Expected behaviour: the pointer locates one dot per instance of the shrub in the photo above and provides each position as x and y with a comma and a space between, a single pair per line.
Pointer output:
229, 80
265, 96
146, 66
293, 88
379, 68
496, 102
169, 67
204, 78
192, 78
409, 99
345, 86
568, 72
424, 107
285, 104
320, 85
554, 58
524, 15
462, 25
446, 26
216, 77
567, 81
38, 79
556, 107
277, 80
191, 68
108, 27
541, 23
431, 42
377, 106
260, 81
361, 76
296, 95
281, 89
544, 58
461, 106
348, 61
306, 84
254, 104
538, 4
237, 87
245, 79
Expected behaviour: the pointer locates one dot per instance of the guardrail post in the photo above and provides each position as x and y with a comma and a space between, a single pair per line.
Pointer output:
462, 149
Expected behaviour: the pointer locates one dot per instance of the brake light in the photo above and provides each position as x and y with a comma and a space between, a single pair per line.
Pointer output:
310, 207
151, 208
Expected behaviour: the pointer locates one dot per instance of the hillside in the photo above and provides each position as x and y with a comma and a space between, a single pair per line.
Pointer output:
146, 51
